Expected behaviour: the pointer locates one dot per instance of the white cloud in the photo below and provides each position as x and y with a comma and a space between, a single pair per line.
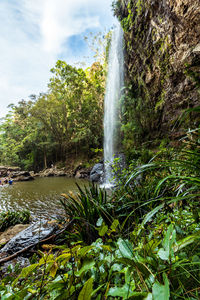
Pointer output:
60, 21
34, 34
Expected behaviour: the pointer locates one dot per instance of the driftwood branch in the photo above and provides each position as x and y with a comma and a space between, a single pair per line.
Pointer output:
10, 257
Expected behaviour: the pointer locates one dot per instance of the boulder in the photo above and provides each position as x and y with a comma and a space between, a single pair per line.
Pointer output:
23, 178
14, 173
97, 172
32, 174
11, 169
5, 171
52, 172
21, 173
82, 174
60, 173
29, 237
11, 232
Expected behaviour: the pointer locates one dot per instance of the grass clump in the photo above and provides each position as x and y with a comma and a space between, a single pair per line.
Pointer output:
11, 218
85, 208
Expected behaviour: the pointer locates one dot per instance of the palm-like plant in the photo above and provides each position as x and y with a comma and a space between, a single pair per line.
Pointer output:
85, 208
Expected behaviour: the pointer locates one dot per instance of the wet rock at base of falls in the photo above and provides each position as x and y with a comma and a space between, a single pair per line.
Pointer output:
29, 237
82, 173
97, 172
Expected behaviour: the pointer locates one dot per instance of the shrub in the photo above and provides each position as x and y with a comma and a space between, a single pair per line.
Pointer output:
11, 218
85, 208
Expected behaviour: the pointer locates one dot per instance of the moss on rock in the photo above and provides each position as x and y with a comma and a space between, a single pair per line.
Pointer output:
163, 63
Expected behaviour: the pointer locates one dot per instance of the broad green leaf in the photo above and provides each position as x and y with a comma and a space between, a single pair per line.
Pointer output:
151, 246
46, 259
53, 270
86, 291
169, 237
99, 222
186, 241
32, 291
167, 251
138, 296
7, 296
151, 214
195, 258
107, 248
116, 267
97, 289
123, 291
126, 261
103, 230
26, 271
84, 250
163, 254
161, 291
148, 297
65, 257
125, 248
87, 265
114, 225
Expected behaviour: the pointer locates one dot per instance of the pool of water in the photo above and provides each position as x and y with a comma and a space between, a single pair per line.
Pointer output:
41, 196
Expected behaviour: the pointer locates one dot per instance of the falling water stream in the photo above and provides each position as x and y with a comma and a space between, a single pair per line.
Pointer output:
115, 80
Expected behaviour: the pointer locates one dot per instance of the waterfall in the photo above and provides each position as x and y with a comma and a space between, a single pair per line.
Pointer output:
114, 84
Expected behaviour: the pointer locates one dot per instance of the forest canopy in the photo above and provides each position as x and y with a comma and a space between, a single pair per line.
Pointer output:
67, 120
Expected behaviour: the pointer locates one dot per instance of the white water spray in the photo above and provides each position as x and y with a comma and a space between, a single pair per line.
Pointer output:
115, 81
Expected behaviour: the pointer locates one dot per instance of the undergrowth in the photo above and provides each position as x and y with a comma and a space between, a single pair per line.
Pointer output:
141, 242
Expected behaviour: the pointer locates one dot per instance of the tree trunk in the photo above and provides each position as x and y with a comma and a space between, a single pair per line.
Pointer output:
45, 160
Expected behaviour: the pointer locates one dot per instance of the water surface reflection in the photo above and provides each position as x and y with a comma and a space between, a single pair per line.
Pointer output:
41, 196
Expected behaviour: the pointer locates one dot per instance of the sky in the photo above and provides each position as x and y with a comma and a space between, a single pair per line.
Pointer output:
34, 34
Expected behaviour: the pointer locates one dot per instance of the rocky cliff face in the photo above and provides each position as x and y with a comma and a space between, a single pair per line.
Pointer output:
162, 41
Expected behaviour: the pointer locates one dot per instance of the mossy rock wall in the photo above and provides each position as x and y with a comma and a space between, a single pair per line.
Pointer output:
162, 45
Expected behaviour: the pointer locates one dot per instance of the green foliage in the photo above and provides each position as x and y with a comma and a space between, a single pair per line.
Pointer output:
139, 117
142, 240
122, 268
99, 44
146, 95
85, 208
64, 116
145, 238
11, 218
66, 120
